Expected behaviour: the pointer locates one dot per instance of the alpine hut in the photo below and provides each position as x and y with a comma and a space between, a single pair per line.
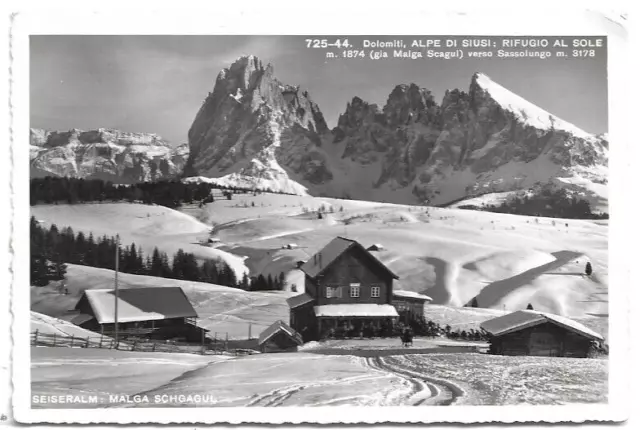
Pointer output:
279, 337
347, 290
410, 305
530, 332
153, 312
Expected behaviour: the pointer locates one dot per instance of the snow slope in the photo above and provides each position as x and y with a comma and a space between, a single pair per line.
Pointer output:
222, 310
104, 372
451, 255
147, 226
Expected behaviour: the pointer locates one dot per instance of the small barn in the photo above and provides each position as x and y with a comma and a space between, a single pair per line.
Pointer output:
154, 312
530, 332
279, 337
410, 305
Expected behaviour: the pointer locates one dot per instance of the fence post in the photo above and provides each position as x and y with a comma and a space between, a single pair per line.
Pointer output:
249, 331
226, 342
72, 338
133, 348
54, 339
154, 347
100, 341
87, 344
35, 340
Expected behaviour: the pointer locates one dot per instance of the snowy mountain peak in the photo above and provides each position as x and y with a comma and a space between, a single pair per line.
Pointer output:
523, 110
258, 131
105, 153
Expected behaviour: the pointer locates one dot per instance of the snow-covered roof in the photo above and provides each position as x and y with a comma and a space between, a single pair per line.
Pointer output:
528, 318
140, 304
334, 249
299, 300
375, 246
355, 310
411, 295
275, 328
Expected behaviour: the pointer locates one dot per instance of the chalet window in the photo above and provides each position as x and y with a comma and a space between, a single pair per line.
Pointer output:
354, 290
375, 291
334, 292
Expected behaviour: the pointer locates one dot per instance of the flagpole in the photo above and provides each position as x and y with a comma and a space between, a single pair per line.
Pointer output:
116, 288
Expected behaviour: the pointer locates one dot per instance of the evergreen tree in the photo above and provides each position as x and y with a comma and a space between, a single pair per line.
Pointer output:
474, 302
530, 307
245, 283
177, 269
281, 281
91, 254
588, 269
156, 267
191, 271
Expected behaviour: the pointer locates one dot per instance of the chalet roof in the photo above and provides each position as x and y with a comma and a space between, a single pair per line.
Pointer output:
355, 310
334, 249
140, 304
411, 295
299, 300
519, 320
277, 327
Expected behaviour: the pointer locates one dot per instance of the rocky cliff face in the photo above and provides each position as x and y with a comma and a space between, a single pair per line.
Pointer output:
106, 154
254, 131
253, 127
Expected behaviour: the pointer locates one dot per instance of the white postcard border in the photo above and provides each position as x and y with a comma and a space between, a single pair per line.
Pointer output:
557, 22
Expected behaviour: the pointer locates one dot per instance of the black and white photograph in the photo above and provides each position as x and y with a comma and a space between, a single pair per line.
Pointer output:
233, 221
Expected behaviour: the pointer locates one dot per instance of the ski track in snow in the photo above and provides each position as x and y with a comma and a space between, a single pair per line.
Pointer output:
424, 390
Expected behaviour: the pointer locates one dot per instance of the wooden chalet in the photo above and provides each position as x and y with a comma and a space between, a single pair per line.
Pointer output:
279, 337
410, 305
347, 289
154, 312
531, 332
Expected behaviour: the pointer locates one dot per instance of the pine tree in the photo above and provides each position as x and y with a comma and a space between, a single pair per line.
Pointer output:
191, 271
474, 302
245, 283
588, 269
530, 307
177, 268
281, 282
156, 268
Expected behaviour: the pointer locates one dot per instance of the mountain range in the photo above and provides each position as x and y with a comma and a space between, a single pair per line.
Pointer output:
254, 131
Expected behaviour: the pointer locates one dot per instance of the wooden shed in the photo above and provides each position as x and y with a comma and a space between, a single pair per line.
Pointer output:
279, 337
154, 312
409, 304
536, 333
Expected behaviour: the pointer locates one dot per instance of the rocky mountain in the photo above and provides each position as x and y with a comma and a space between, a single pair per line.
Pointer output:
253, 130
106, 154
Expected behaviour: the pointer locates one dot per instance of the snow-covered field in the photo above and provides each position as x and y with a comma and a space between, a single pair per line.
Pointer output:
147, 226
453, 255
307, 379
102, 372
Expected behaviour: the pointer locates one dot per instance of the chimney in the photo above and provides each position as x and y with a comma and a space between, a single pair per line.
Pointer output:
320, 257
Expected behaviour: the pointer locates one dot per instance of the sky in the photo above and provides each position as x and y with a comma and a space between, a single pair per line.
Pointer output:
156, 83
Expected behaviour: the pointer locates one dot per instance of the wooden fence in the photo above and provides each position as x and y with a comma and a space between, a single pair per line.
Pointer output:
217, 346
